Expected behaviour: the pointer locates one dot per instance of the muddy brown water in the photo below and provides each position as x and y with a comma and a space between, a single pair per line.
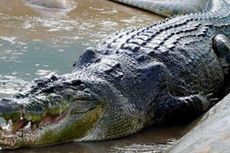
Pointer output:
35, 42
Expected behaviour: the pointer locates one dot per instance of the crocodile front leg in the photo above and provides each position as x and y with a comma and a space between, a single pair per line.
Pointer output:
170, 104
181, 109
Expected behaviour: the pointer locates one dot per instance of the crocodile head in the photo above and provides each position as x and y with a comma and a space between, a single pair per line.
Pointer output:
50, 111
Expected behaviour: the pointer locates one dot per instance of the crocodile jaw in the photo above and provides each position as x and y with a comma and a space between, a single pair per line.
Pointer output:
68, 126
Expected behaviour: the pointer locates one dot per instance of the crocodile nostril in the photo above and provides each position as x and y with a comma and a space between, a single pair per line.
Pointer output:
74, 64
76, 82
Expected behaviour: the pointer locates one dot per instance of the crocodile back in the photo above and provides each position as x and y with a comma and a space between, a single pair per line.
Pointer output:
182, 44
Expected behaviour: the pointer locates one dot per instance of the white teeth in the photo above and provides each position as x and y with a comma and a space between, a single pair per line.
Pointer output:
8, 127
28, 126
10, 123
21, 116
19, 133
3, 126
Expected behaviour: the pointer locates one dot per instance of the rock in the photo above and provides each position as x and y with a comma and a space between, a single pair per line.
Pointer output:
211, 134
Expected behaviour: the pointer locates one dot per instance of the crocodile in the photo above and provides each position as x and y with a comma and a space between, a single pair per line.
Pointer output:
173, 69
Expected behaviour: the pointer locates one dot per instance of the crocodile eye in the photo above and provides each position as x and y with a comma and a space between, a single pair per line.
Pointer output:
89, 55
76, 82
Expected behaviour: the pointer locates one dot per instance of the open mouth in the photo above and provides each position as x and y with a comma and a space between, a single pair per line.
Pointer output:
9, 128
23, 132
26, 123
30, 127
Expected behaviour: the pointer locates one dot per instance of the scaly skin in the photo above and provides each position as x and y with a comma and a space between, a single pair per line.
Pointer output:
133, 79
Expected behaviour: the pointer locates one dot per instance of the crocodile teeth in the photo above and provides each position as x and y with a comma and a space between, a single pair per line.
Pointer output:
19, 133
8, 126
28, 126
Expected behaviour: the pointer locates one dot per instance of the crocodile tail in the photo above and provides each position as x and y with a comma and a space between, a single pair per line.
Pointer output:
169, 8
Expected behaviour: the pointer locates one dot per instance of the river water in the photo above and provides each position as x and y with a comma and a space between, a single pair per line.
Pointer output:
36, 41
